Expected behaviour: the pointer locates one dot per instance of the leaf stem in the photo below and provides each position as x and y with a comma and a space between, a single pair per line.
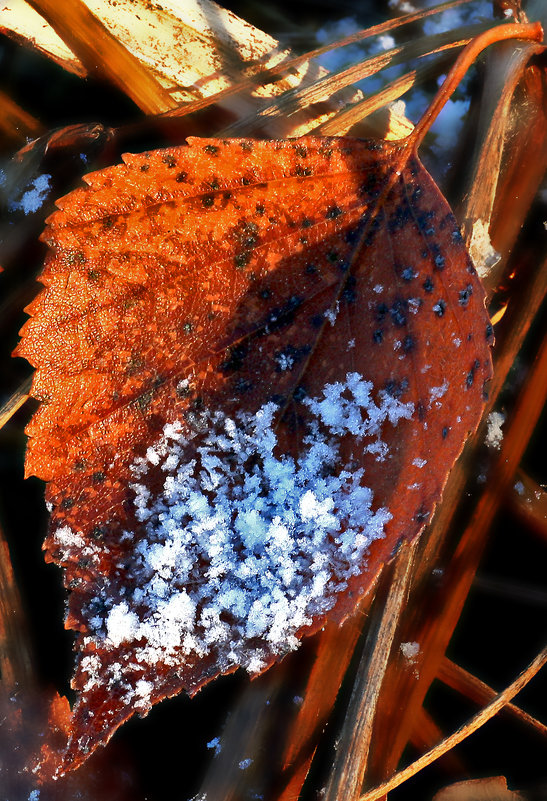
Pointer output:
530, 31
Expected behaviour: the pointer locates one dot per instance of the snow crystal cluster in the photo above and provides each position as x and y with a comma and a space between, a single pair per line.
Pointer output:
244, 546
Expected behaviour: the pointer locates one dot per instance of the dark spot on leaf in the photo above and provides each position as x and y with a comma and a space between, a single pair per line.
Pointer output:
98, 476
489, 331
145, 167
332, 256
444, 432
310, 269
398, 312
307, 222
409, 344
181, 177
317, 320
236, 356
300, 393
421, 410
207, 201
348, 293
260, 209
211, 149
396, 388
333, 212
241, 260
439, 308
169, 160
381, 311
421, 514
265, 293
302, 172
408, 273
377, 336
242, 385
428, 285
67, 503
464, 295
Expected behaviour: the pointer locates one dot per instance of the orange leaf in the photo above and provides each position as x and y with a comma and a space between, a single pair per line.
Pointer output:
258, 362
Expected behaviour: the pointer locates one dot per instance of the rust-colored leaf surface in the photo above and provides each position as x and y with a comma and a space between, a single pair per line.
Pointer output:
257, 363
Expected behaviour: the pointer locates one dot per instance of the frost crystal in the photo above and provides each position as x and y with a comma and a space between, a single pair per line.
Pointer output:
244, 546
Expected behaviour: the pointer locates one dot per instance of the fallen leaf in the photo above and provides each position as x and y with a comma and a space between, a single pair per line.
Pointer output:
257, 363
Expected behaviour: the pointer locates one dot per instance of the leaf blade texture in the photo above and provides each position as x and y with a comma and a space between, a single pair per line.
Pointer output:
258, 362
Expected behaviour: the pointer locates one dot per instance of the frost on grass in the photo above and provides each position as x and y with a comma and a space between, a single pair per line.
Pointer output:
244, 546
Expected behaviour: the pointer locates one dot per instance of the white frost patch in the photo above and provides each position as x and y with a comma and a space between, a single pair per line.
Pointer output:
244, 546
67, 538
284, 361
215, 745
419, 463
519, 487
410, 650
351, 344
121, 624
494, 434
378, 288
437, 392
245, 763
34, 795
33, 198
332, 314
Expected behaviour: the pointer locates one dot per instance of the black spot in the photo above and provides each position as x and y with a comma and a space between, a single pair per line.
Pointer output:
279, 400
283, 315
439, 262
265, 293
236, 356
332, 256
310, 269
408, 273
489, 333
343, 265
187, 327
67, 503
302, 172
98, 476
409, 344
260, 209
333, 212
300, 393
352, 235
464, 295
396, 388
317, 320
428, 285
241, 260
381, 311
421, 410
169, 160
181, 177
245, 181
444, 432
398, 312
301, 151
439, 308
93, 275
246, 145
80, 465
242, 385
456, 236
214, 184
145, 167
377, 336
399, 219
211, 149
348, 293
207, 201
470, 378
307, 222
421, 514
